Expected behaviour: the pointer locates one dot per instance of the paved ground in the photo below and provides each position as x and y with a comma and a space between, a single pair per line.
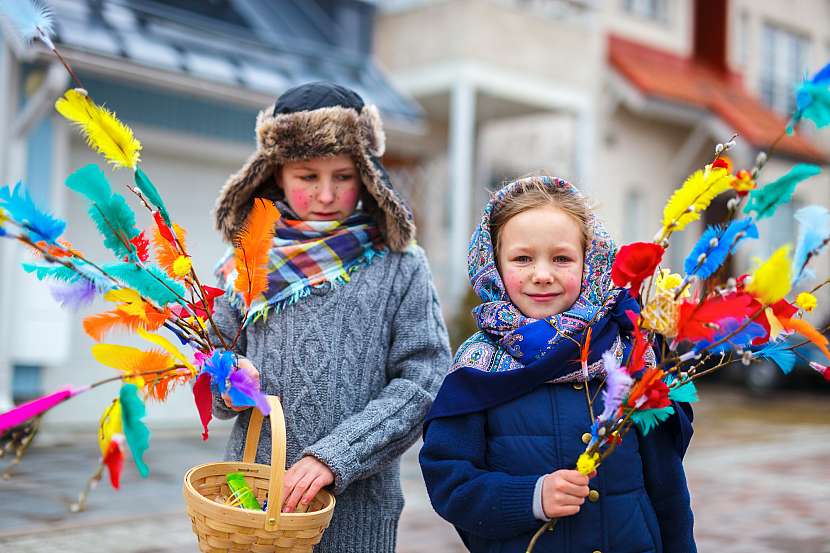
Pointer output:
758, 471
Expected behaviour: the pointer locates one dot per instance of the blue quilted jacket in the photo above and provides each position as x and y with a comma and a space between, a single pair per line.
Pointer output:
481, 468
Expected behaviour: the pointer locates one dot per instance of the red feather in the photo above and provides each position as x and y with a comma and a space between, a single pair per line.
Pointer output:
699, 321
204, 401
114, 459
638, 350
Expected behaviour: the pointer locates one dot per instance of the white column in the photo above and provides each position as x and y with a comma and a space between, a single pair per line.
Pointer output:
585, 151
461, 166
8, 250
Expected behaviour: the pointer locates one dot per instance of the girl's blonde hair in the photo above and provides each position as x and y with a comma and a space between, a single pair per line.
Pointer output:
533, 193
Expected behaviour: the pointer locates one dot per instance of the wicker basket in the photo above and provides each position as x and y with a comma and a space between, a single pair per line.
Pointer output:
223, 528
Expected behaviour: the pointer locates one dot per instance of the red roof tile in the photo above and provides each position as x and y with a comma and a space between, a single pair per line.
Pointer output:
675, 78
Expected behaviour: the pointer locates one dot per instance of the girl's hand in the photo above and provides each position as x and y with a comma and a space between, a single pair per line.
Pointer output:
248, 367
302, 482
563, 493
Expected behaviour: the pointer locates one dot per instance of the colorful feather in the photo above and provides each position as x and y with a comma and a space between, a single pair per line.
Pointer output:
166, 250
738, 339
97, 326
812, 100
31, 19
104, 132
772, 280
685, 393
169, 348
136, 432
765, 201
204, 401
698, 321
648, 419
780, 354
114, 460
691, 199
150, 281
808, 331
19, 205
110, 212
74, 295
31, 409
59, 273
151, 194
252, 245
244, 390
715, 245
813, 235
617, 385
109, 425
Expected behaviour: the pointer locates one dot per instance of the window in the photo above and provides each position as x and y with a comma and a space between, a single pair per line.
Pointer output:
784, 62
633, 215
27, 382
649, 9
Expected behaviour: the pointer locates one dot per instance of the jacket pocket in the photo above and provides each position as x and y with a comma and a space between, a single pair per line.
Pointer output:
650, 518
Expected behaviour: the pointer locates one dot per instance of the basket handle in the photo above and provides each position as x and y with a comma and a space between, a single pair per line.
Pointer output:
272, 513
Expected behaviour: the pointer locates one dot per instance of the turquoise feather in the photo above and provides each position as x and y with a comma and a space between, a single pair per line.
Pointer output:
59, 272
110, 212
650, 418
687, 393
780, 353
151, 193
136, 432
766, 200
142, 279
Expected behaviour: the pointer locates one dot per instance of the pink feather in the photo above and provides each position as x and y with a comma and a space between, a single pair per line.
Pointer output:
22, 413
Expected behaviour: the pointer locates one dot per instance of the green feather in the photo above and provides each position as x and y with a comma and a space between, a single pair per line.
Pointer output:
148, 281
766, 200
650, 418
110, 212
687, 393
59, 272
136, 432
152, 194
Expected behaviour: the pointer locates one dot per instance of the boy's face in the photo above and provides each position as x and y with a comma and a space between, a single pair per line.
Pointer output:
540, 261
321, 189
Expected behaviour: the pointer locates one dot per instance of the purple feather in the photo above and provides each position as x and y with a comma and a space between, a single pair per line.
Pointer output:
245, 391
617, 385
74, 295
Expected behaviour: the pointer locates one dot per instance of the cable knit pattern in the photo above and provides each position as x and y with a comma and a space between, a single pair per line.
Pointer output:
356, 367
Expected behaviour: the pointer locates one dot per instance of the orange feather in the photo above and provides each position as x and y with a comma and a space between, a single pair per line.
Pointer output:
166, 253
97, 326
808, 331
252, 244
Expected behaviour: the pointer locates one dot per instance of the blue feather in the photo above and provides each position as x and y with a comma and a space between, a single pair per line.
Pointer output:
650, 418
778, 352
27, 16
740, 339
20, 207
110, 212
725, 242
822, 76
813, 231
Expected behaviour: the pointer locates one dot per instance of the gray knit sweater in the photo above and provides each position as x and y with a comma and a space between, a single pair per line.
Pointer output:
356, 367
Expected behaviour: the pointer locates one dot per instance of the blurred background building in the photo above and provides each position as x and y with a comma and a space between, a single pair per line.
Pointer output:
623, 97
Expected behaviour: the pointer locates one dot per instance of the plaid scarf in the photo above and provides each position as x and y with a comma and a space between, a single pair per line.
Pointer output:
306, 255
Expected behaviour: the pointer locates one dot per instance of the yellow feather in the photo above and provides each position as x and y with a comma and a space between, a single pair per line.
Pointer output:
169, 347
130, 302
772, 280
692, 199
129, 359
104, 132
109, 425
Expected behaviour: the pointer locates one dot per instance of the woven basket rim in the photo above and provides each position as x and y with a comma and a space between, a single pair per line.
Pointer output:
194, 494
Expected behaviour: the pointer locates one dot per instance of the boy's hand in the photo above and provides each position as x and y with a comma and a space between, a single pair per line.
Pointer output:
563, 493
302, 482
248, 367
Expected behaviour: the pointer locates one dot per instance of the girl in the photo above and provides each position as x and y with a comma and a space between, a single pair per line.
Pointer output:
350, 334
510, 419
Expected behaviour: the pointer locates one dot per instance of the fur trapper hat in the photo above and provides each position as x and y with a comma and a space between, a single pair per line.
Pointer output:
317, 120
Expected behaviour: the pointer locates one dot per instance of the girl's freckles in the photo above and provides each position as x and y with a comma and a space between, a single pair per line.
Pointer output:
298, 199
